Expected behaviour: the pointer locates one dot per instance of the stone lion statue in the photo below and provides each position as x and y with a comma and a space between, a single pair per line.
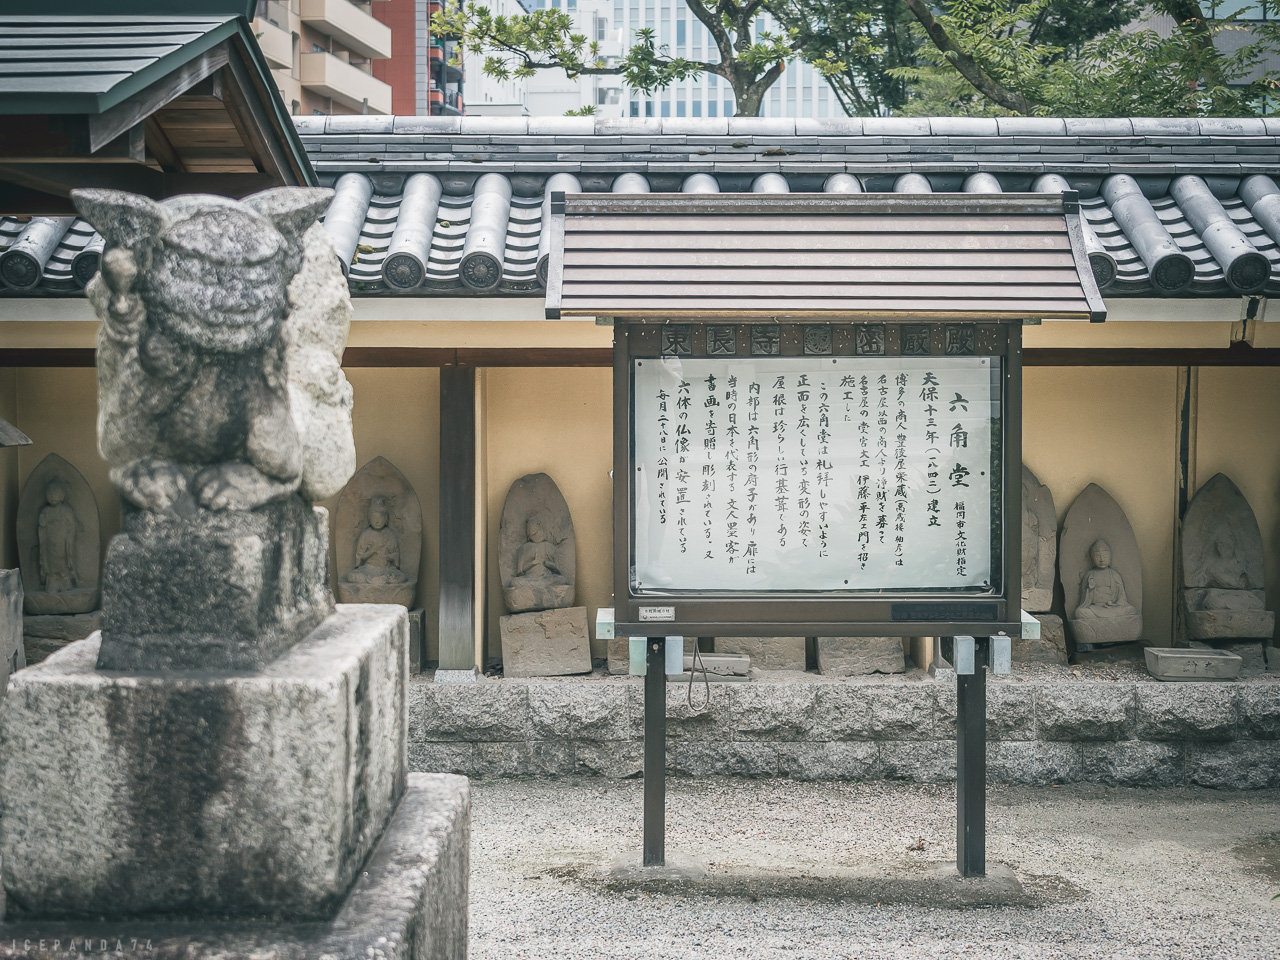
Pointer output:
219, 356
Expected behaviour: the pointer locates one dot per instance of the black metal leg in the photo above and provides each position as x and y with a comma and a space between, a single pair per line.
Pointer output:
971, 767
655, 753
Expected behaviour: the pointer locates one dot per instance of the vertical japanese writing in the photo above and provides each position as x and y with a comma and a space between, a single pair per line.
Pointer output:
753, 471
900, 471
664, 449
683, 401
732, 546
710, 430
781, 488
882, 455
804, 525
823, 477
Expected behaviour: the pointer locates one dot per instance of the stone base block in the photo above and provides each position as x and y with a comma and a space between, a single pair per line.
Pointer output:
222, 590
1092, 633
766, 653
1230, 624
12, 655
46, 635
550, 643
409, 903
858, 656
214, 793
1050, 648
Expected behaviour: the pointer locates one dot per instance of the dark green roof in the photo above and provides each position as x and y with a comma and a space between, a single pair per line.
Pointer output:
88, 64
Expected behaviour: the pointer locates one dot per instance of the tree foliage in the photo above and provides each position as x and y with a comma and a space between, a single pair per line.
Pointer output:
981, 57
749, 60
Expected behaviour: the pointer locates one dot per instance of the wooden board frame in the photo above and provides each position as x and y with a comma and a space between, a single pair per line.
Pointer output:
711, 613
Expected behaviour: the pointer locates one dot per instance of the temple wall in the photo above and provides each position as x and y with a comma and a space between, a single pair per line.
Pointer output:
1117, 426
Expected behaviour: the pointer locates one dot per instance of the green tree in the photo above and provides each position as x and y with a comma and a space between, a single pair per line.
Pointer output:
750, 60
1048, 57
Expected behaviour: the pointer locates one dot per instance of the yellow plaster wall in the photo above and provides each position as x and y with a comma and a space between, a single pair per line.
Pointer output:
397, 416
556, 421
1114, 427
1238, 433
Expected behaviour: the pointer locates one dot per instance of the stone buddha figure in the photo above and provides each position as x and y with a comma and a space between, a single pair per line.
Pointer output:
378, 537
1101, 571
1102, 595
377, 550
1222, 566
539, 583
56, 529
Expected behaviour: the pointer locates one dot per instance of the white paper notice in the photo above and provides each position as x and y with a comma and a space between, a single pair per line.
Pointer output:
803, 474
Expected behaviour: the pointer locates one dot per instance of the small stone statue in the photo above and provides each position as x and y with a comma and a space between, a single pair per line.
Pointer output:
212, 342
378, 536
536, 547
1222, 566
1039, 543
1102, 595
58, 541
1101, 571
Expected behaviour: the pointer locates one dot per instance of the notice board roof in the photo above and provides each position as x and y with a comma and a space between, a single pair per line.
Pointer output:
860, 256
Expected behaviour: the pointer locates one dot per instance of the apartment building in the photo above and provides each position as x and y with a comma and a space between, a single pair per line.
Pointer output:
322, 54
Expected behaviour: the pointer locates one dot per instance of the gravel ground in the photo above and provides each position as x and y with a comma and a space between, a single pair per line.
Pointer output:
814, 870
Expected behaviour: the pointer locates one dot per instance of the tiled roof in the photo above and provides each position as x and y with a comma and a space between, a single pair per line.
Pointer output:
430, 205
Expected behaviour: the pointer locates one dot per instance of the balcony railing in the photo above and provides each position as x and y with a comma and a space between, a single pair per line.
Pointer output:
351, 26
276, 43
325, 74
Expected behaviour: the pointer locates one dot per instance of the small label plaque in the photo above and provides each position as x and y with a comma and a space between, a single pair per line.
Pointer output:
657, 614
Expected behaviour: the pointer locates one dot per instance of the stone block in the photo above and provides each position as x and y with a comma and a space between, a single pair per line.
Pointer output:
726, 758
830, 761
549, 643
409, 901
709, 717
1241, 765
1230, 624
580, 711
1039, 762
477, 712
46, 635
1258, 710
1085, 711
870, 711
766, 653
211, 793
12, 655
1187, 711
456, 758
774, 711
1010, 711
220, 590
538, 758
1133, 763
858, 656
617, 759
930, 762
1051, 647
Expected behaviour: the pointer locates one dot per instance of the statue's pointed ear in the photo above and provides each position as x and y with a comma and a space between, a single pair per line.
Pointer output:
123, 219
291, 209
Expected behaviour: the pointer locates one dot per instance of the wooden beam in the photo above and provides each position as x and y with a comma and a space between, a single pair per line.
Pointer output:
478, 356
61, 139
1237, 355
106, 126
244, 100
457, 568
160, 147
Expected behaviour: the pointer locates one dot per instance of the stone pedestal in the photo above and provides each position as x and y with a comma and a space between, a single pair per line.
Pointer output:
1229, 624
549, 643
858, 656
766, 653
43, 636
223, 590
204, 794
1051, 647
12, 655
408, 902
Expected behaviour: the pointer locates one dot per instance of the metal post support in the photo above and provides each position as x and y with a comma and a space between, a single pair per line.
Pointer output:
655, 753
971, 766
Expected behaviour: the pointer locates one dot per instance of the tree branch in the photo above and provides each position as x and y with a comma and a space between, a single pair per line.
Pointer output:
712, 22
965, 65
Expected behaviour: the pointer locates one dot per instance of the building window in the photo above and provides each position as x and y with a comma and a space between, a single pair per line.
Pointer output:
318, 48
666, 108
635, 109
682, 33
697, 108
680, 108
602, 28
712, 107
648, 108
295, 107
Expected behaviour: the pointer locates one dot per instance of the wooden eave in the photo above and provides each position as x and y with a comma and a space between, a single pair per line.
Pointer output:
821, 257
202, 114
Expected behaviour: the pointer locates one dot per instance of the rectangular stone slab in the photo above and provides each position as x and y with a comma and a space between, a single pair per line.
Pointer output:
221, 590
766, 653
209, 793
549, 643
409, 903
